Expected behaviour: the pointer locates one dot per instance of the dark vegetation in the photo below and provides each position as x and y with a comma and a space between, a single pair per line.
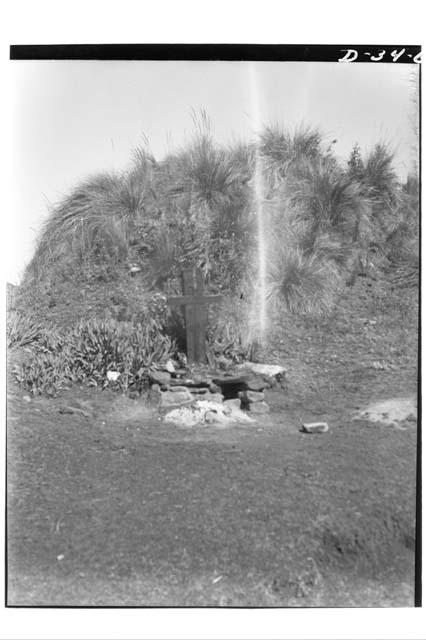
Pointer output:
80, 313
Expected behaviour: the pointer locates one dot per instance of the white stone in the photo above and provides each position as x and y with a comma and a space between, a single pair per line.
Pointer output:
184, 416
112, 376
210, 417
208, 405
389, 412
170, 366
203, 412
314, 427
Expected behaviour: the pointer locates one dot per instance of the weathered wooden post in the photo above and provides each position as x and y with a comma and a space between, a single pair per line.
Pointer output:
195, 305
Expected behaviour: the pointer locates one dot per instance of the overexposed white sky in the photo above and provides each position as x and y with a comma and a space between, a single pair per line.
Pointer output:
74, 118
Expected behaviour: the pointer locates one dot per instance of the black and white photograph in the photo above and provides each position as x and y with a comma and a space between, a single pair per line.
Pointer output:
213, 328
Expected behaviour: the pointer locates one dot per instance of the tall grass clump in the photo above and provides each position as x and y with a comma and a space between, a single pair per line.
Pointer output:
376, 174
196, 207
92, 230
319, 221
394, 228
283, 150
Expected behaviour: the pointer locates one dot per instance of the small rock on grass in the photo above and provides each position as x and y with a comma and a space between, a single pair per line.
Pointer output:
71, 410
26, 398
314, 427
66, 410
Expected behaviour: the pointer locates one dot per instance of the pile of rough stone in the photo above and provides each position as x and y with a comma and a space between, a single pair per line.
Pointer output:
201, 397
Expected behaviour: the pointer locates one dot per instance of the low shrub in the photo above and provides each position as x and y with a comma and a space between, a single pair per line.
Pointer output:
303, 284
89, 350
101, 346
44, 372
22, 330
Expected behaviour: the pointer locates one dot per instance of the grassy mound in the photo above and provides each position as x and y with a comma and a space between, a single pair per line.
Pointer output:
119, 239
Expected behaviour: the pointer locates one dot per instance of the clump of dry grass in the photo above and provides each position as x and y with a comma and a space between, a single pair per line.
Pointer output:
307, 284
282, 148
196, 208
97, 222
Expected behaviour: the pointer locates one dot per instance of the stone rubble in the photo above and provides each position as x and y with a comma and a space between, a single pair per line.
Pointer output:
198, 397
203, 412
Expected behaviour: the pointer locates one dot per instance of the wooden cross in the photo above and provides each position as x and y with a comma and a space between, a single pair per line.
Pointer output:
195, 303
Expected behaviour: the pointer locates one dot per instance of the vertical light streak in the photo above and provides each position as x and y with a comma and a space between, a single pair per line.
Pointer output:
259, 298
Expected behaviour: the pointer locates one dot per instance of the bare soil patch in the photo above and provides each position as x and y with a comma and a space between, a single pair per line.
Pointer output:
117, 508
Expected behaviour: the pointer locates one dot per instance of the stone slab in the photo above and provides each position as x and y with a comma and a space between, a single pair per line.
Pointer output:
232, 403
211, 397
314, 427
247, 397
271, 370
258, 407
160, 377
189, 382
175, 398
